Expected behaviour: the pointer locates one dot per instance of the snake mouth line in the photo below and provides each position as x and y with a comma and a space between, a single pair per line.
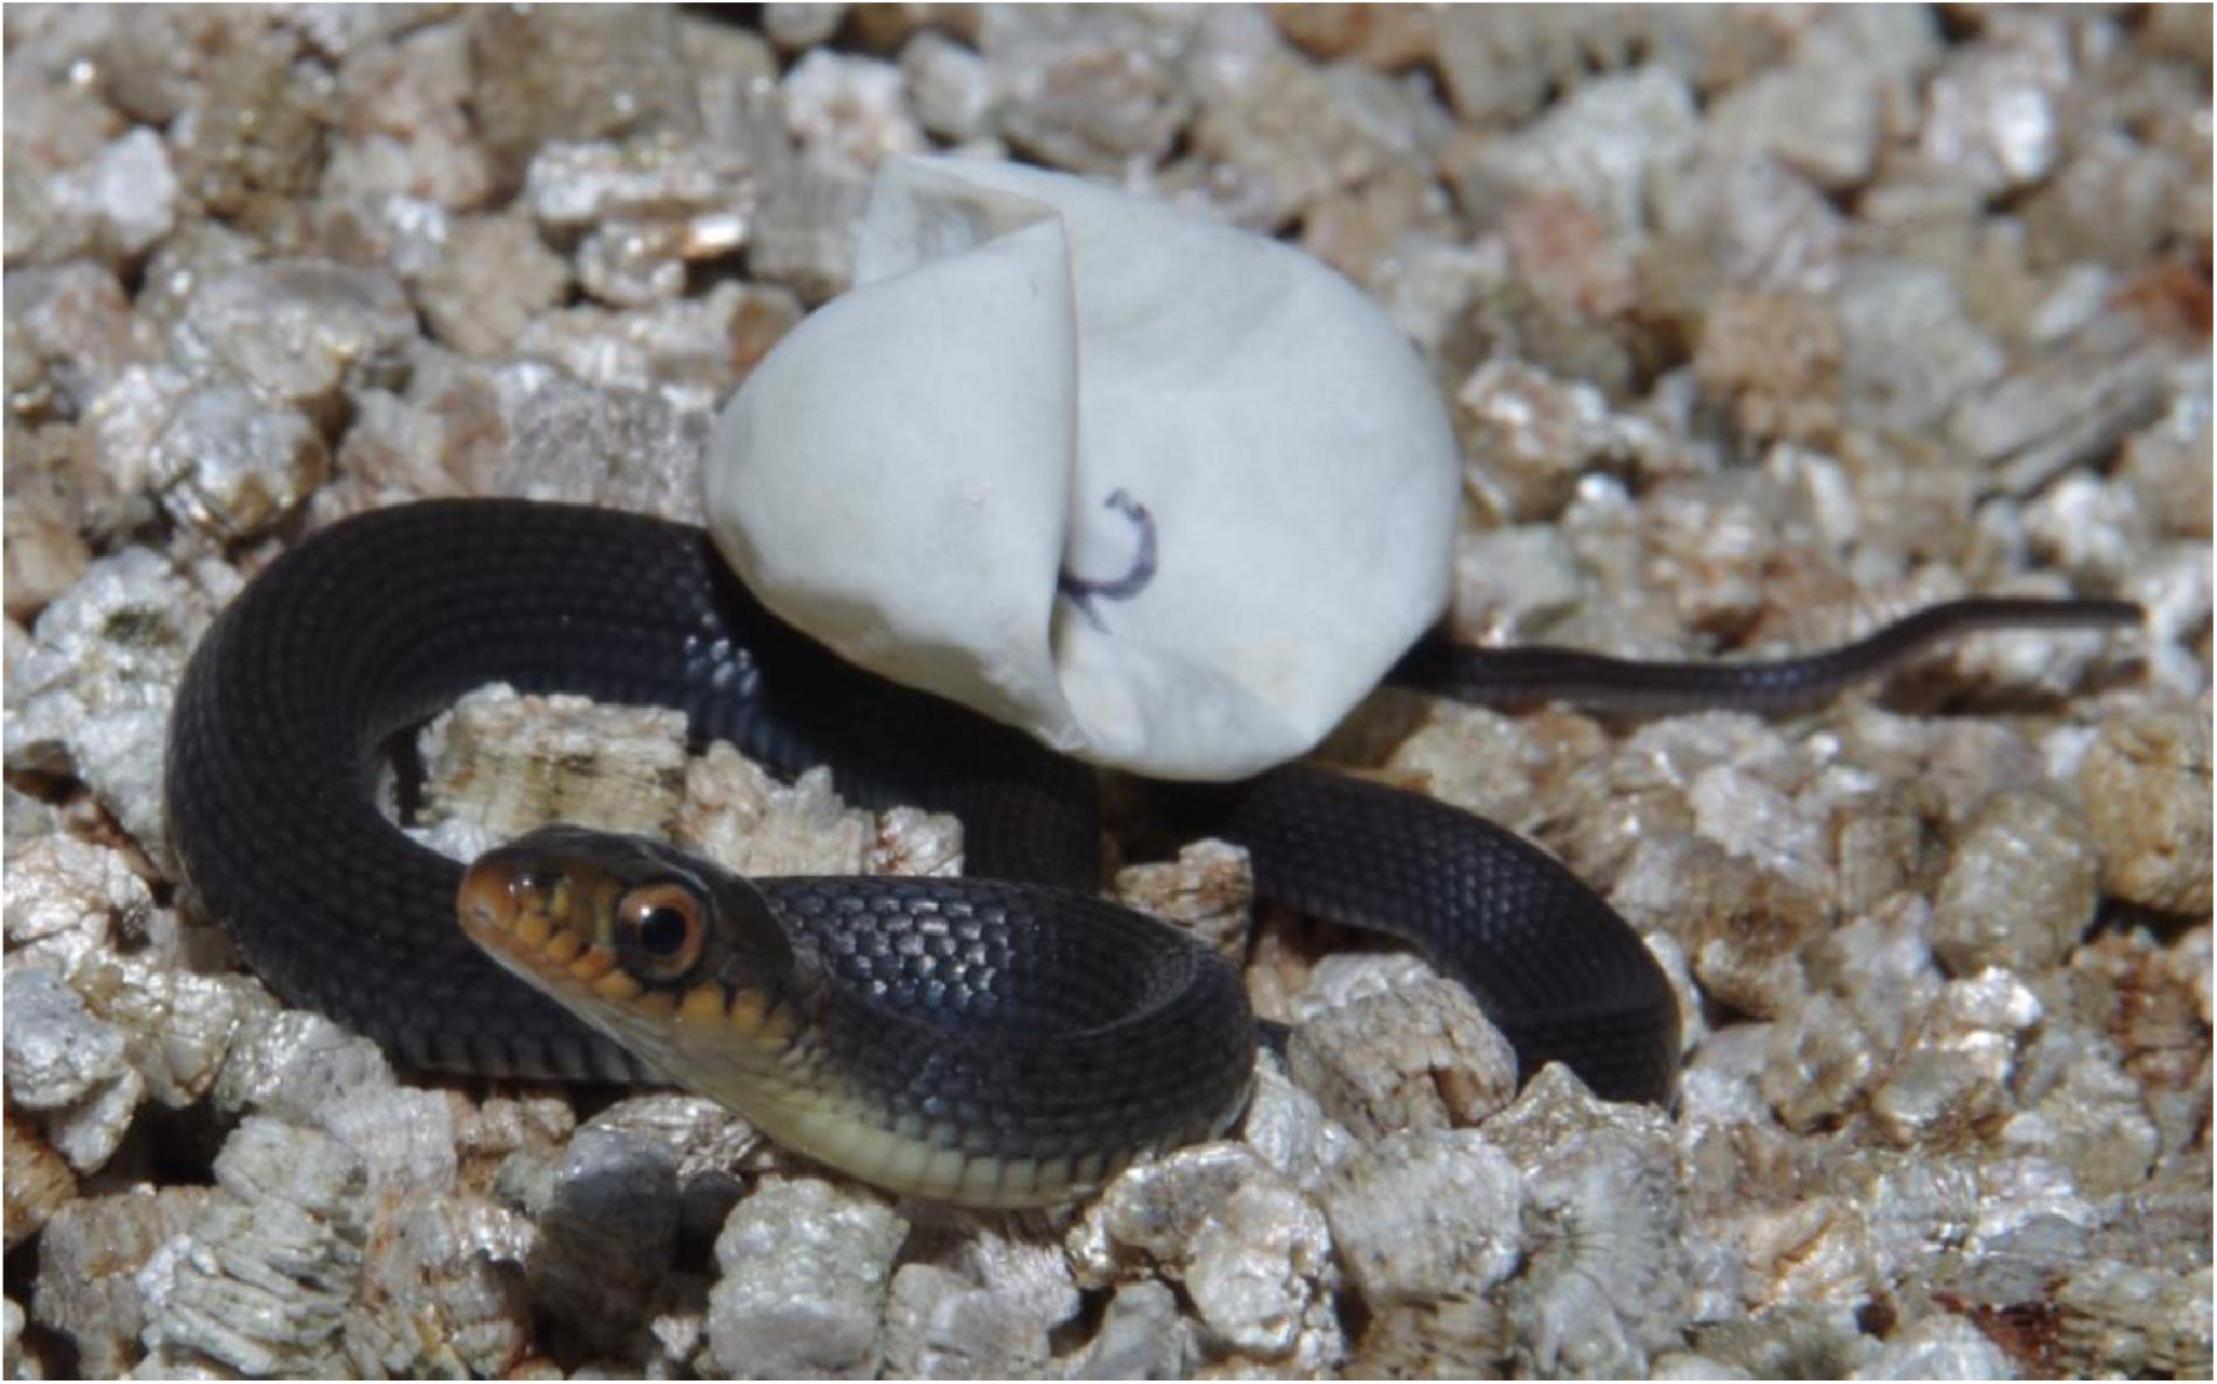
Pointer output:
501, 915
525, 927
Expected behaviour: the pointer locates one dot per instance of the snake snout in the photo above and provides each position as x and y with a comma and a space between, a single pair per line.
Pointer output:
487, 901
514, 904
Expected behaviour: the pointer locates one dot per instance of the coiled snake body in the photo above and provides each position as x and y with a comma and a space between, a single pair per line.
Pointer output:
1006, 1039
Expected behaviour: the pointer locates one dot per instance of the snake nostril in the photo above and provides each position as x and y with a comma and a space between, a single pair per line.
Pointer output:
487, 901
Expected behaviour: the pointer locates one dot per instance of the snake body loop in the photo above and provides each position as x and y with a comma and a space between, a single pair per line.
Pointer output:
1078, 1036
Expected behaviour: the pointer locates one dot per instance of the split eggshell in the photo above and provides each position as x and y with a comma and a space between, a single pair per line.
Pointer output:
1037, 384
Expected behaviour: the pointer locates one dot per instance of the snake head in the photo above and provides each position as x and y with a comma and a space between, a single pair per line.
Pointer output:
623, 930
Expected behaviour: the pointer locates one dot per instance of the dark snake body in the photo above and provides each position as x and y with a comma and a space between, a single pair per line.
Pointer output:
376, 623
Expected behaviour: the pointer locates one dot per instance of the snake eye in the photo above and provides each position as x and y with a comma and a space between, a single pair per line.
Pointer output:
660, 928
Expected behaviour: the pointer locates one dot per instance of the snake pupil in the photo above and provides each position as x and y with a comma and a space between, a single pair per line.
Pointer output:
662, 932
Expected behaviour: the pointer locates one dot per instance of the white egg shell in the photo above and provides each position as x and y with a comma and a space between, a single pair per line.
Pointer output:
1039, 384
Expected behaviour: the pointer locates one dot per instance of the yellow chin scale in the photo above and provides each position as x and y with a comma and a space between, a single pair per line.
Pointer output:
703, 1004
533, 928
596, 963
618, 987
